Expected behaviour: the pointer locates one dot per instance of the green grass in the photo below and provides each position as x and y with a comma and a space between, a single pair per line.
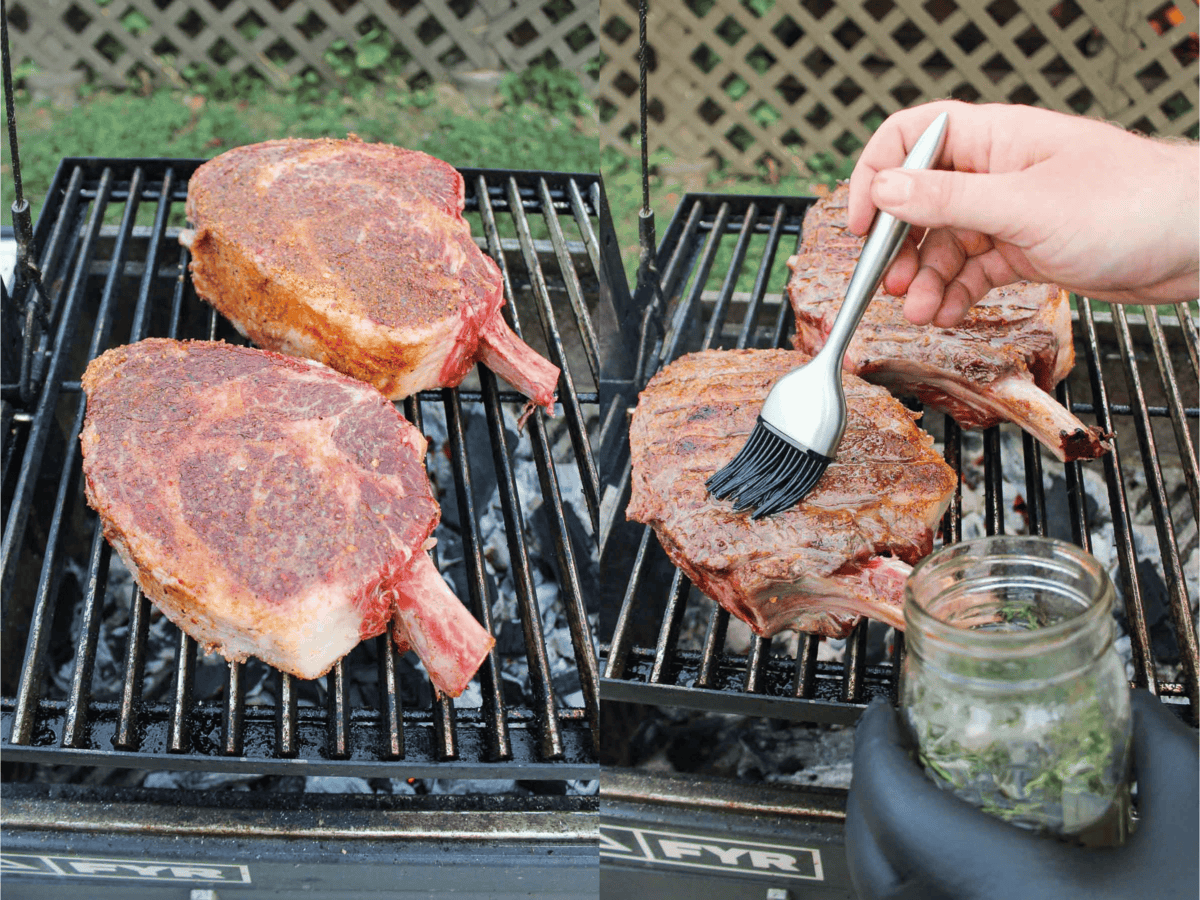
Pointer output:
544, 122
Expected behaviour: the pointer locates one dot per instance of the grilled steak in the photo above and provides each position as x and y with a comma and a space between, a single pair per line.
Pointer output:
356, 255
1000, 364
270, 507
841, 553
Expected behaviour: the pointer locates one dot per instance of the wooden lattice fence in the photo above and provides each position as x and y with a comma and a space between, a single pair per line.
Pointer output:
117, 41
784, 80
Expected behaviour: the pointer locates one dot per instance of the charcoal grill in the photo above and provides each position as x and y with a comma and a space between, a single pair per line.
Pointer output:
106, 244
723, 276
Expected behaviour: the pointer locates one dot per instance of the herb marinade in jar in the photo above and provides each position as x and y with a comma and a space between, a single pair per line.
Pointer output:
1012, 688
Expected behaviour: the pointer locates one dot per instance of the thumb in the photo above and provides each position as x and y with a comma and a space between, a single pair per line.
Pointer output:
995, 205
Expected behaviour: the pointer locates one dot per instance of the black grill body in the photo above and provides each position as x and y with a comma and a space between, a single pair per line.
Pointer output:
106, 241
722, 265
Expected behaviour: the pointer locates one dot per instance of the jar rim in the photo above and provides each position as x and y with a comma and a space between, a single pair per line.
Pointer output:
1033, 640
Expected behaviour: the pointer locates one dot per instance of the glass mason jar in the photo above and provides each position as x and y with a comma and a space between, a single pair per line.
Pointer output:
1012, 689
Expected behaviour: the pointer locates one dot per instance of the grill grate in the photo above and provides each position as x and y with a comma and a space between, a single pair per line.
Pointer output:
644, 660
113, 283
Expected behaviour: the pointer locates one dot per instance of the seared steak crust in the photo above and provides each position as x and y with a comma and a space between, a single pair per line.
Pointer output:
356, 255
1001, 363
843, 552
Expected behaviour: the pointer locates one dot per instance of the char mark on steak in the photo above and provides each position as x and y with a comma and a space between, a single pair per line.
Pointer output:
1000, 364
842, 553
356, 255
270, 507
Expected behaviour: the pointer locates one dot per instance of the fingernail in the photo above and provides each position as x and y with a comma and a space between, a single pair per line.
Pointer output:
891, 188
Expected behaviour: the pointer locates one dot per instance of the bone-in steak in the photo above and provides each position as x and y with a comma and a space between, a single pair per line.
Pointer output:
270, 507
356, 255
842, 552
1000, 364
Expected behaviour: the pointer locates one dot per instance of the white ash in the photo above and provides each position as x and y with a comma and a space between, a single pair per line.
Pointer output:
336, 784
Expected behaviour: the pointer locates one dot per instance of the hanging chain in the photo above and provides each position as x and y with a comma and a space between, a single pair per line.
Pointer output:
647, 275
26, 270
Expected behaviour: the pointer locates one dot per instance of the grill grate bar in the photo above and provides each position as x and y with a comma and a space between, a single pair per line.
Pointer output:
233, 711
1035, 490
576, 426
685, 313
1183, 437
339, 711
714, 643
1191, 340
806, 666
583, 220
756, 660
89, 630
443, 706
135, 657
725, 293
1076, 501
491, 684
571, 279
668, 634
855, 663
64, 234
1168, 545
675, 268
622, 636
993, 481
759, 290
952, 453
98, 567
571, 590
42, 616
186, 648
531, 614
285, 712
389, 696
180, 735
1144, 673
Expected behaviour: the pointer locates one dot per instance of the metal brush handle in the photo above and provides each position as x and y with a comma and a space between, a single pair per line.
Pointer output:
883, 243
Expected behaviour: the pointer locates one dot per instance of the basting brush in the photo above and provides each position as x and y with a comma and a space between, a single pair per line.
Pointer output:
802, 419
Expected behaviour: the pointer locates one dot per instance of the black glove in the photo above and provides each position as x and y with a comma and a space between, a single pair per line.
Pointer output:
908, 838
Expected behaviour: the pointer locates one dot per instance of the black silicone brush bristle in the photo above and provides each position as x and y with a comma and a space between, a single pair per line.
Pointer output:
769, 474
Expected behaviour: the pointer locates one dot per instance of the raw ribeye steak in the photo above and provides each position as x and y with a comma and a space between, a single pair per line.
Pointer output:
841, 553
1000, 364
270, 507
356, 255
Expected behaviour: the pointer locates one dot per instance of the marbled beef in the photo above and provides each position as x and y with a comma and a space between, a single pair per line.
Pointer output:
356, 255
270, 507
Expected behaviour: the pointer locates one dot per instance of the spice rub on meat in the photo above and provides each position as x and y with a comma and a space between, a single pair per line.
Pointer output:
356, 255
1001, 364
843, 552
270, 507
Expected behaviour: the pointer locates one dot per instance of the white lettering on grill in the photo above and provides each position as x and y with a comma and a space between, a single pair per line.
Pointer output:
727, 855
680, 849
763, 859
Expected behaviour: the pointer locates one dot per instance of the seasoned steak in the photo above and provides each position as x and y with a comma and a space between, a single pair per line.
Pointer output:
1000, 364
356, 255
270, 507
841, 553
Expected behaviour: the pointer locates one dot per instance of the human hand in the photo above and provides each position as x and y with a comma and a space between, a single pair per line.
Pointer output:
1032, 195
906, 838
